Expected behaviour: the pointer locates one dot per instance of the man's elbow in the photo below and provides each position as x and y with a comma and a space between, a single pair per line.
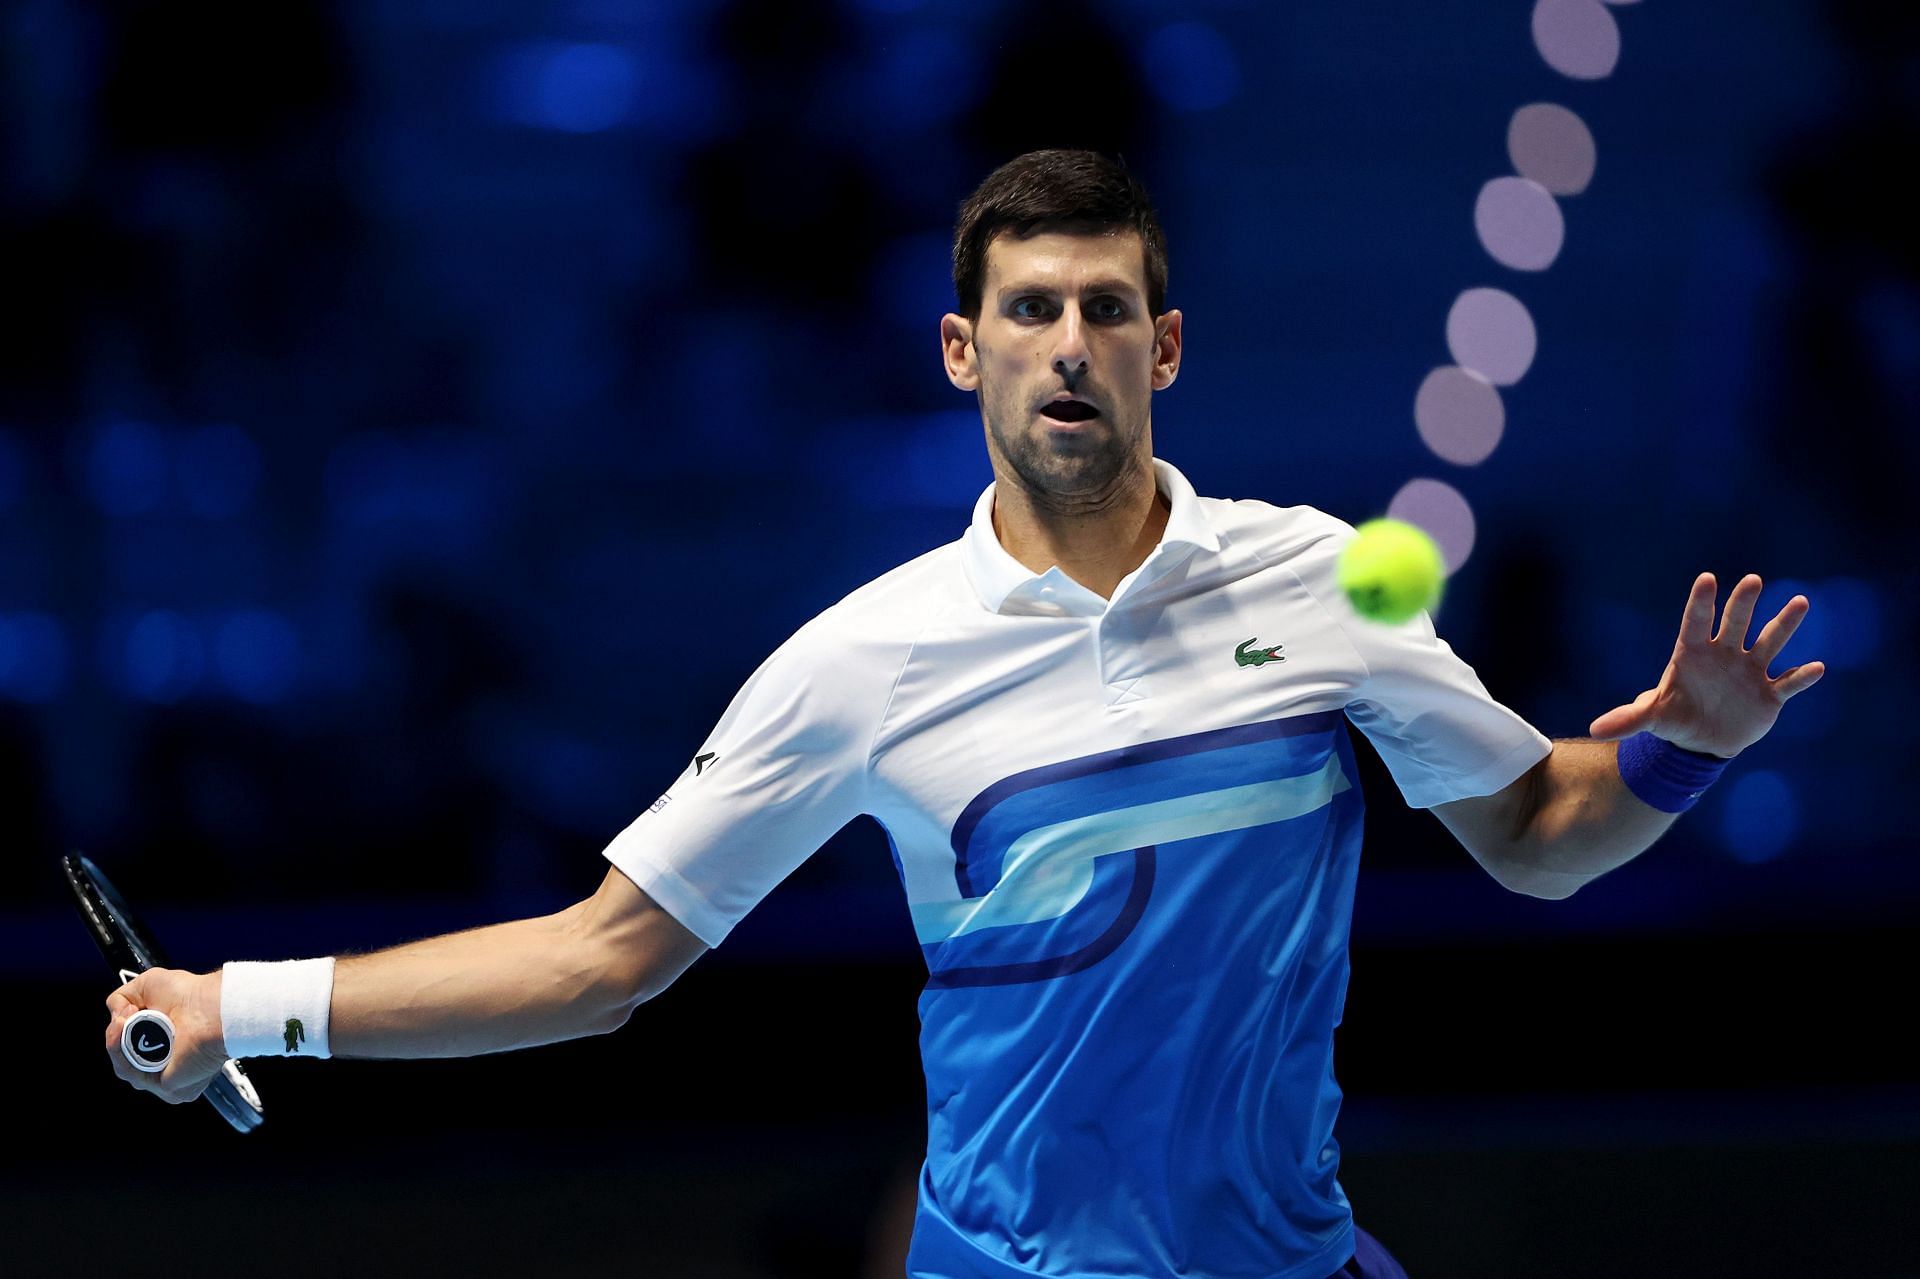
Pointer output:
1532, 881
632, 985
619, 1014
628, 949
616, 1001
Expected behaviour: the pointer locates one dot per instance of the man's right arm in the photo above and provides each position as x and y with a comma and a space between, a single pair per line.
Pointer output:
580, 971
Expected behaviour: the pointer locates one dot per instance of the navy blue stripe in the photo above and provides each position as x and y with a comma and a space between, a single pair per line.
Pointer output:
1108, 761
1144, 864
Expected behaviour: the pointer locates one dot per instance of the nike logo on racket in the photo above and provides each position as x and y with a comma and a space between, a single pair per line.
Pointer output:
144, 1046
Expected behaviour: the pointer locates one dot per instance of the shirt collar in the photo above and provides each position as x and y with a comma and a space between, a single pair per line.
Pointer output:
1005, 585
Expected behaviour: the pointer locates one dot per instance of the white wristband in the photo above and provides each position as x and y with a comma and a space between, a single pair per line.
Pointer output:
276, 1010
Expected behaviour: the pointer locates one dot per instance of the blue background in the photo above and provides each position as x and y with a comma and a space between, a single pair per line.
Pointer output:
416, 420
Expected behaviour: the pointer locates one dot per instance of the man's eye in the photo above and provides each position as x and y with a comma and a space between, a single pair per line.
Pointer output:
1039, 309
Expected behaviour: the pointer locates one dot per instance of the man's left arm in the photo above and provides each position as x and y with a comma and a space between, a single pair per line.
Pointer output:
1573, 817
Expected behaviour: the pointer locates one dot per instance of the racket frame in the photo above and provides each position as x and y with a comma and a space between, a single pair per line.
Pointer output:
130, 950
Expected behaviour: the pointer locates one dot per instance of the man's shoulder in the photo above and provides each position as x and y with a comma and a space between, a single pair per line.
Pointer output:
876, 622
1290, 535
903, 595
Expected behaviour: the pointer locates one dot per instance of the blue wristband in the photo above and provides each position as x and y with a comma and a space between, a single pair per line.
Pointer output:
1664, 776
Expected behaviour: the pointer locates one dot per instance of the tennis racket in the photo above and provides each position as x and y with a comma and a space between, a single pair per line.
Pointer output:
147, 1037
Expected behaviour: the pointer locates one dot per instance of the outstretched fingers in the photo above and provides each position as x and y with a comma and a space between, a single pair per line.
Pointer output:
1799, 679
1775, 634
1696, 622
1738, 615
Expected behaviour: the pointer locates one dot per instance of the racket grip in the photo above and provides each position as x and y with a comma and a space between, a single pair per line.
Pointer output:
146, 1040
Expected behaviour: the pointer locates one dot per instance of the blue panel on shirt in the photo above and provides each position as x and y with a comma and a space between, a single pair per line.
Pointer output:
1141, 1083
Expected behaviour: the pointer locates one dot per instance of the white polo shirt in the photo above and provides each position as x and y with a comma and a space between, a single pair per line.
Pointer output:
1128, 832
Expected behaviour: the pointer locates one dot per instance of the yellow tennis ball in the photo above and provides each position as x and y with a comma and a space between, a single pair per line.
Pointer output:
1391, 571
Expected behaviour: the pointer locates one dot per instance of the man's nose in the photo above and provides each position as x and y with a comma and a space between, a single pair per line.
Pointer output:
1070, 354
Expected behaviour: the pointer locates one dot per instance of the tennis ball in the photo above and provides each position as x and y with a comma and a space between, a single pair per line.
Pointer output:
1391, 571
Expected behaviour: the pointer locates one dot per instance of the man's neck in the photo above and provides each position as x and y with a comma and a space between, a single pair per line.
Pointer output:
1096, 543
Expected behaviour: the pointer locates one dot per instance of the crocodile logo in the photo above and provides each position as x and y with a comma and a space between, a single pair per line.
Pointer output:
1242, 656
295, 1034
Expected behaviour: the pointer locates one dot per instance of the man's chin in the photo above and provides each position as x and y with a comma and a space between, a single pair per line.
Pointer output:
1073, 464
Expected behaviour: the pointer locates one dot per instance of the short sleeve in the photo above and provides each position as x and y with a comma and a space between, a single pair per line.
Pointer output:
783, 770
1439, 731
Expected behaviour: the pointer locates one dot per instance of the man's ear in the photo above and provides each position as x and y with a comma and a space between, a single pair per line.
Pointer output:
1166, 350
956, 347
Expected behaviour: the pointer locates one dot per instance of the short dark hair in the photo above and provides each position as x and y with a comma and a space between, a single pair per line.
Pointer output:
1054, 190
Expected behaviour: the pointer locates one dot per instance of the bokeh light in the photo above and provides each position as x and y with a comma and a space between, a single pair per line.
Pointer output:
33, 657
1578, 38
574, 88
1842, 626
1442, 511
1519, 223
1459, 415
1759, 816
1490, 333
1191, 66
1852, 628
127, 469
162, 658
428, 494
1552, 146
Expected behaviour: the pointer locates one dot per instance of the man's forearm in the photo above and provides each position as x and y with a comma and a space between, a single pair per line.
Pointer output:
1584, 820
511, 985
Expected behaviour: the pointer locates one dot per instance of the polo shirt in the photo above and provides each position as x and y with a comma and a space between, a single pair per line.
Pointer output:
1128, 831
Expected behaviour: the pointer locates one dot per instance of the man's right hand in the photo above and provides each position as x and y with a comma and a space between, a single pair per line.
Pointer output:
192, 1002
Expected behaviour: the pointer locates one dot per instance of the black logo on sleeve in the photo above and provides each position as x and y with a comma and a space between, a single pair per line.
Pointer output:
700, 762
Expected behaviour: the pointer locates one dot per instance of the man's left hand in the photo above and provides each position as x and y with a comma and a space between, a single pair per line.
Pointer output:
1715, 696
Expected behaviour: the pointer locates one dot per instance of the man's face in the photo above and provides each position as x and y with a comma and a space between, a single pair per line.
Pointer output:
1066, 359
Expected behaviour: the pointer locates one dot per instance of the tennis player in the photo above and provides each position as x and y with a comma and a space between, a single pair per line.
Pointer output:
1105, 732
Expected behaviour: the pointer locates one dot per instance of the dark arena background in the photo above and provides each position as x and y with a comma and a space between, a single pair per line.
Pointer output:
418, 419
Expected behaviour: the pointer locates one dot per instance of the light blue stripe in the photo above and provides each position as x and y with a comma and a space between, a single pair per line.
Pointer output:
1049, 869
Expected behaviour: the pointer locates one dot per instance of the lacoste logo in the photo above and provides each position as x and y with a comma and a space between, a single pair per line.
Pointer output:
700, 762
295, 1034
1256, 657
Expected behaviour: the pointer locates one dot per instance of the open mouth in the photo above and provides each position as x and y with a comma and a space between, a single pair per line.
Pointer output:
1070, 411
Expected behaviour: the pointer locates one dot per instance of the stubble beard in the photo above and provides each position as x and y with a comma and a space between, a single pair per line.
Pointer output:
1089, 468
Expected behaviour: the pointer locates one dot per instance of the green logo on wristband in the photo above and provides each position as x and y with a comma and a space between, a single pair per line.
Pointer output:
296, 1033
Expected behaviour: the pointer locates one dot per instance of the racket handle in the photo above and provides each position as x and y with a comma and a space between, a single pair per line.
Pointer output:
146, 1040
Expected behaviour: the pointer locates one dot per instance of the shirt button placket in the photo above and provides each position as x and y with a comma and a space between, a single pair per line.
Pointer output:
1121, 662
